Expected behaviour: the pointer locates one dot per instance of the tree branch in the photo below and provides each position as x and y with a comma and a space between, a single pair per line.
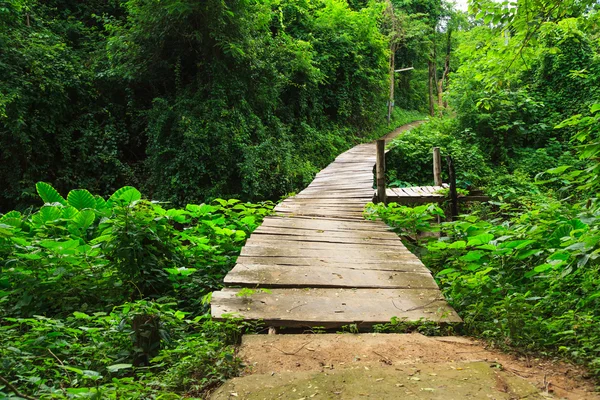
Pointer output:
14, 389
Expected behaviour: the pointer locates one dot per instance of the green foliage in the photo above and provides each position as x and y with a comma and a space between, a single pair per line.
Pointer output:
408, 222
189, 100
70, 270
424, 327
90, 354
410, 155
522, 71
525, 278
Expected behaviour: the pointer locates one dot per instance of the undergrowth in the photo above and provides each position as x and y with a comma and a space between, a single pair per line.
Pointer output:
105, 297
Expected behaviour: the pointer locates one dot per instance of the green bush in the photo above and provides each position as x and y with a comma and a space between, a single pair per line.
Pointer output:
106, 297
97, 253
523, 278
410, 157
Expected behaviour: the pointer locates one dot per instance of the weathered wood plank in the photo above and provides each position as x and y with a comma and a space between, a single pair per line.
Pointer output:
358, 207
316, 213
258, 241
324, 235
408, 265
340, 254
334, 307
279, 276
324, 224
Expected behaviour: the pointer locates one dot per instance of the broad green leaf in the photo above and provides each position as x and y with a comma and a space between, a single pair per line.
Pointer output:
461, 244
127, 195
85, 218
521, 255
47, 214
69, 212
29, 256
595, 108
446, 271
49, 194
81, 199
11, 214
178, 215
558, 170
543, 268
516, 244
101, 204
437, 246
14, 222
480, 239
118, 367
80, 315
60, 246
472, 255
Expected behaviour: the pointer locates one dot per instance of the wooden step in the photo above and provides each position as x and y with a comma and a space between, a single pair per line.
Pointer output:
284, 276
333, 308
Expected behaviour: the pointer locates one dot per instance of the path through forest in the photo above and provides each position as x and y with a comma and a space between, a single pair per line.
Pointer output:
326, 266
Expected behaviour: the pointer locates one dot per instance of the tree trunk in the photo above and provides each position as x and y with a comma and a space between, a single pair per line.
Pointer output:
432, 85
392, 66
443, 82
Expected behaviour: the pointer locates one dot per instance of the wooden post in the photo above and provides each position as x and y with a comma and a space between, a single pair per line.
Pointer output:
437, 167
381, 196
453, 194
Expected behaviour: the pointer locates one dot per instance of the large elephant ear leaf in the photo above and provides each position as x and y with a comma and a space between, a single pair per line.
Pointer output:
49, 194
85, 218
127, 195
80, 199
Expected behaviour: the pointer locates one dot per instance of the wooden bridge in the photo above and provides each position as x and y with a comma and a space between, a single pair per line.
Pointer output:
326, 266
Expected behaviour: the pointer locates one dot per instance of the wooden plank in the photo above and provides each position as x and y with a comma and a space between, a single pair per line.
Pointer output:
332, 214
368, 192
324, 236
357, 212
314, 245
408, 265
296, 200
338, 196
324, 224
329, 234
415, 200
271, 276
319, 238
343, 254
318, 243
321, 212
337, 186
334, 307
349, 207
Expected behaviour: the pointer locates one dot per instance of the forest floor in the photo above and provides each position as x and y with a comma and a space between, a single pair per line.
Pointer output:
390, 366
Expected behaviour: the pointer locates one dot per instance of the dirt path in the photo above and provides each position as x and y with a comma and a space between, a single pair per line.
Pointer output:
383, 366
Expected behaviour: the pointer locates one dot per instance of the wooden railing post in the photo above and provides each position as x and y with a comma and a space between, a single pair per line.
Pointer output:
380, 169
437, 167
453, 194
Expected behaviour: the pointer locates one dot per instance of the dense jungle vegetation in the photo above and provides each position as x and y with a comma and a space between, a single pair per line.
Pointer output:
522, 122
104, 291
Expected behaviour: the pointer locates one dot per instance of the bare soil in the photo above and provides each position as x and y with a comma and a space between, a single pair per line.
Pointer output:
283, 354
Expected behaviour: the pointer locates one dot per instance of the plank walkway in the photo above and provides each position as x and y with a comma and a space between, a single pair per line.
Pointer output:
325, 265
416, 194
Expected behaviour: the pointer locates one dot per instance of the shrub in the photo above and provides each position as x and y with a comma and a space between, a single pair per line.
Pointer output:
410, 155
